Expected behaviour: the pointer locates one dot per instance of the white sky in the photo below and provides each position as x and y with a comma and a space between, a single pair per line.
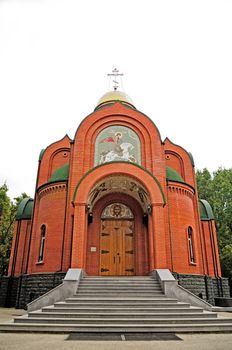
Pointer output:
176, 57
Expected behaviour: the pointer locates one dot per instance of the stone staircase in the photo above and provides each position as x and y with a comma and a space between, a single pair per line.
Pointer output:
119, 304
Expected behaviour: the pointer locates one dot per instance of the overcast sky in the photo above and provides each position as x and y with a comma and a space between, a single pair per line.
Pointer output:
176, 57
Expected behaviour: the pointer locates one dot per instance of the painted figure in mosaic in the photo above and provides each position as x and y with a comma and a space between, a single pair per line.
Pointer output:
117, 147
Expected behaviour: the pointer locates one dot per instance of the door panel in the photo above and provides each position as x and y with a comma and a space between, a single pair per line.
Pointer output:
129, 248
107, 248
117, 248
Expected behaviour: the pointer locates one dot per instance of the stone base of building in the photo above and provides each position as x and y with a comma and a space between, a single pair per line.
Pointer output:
223, 302
206, 287
8, 291
19, 291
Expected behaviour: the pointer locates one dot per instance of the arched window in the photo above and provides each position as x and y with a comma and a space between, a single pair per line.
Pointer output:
42, 243
117, 143
190, 244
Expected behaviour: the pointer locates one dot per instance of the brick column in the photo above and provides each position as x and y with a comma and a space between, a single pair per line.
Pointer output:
151, 244
158, 224
79, 236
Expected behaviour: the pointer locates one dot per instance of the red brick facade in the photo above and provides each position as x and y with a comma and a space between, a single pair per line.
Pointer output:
168, 230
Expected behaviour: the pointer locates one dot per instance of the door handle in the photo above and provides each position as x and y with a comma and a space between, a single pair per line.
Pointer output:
119, 259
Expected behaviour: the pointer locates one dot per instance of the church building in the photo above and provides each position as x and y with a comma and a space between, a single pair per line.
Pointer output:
116, 200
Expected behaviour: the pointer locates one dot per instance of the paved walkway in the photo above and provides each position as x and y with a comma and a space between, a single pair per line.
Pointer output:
19, 341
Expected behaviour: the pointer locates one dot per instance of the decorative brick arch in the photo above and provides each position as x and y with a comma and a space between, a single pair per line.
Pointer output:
156, 221
137, 172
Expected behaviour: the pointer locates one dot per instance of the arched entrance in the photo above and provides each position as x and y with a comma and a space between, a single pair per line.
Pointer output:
117, 241
133, 186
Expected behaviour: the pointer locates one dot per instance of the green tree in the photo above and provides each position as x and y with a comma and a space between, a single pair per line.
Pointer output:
8, 210
216, 188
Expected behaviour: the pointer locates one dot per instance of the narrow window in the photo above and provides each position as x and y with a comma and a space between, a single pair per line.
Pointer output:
190, 242
42, 242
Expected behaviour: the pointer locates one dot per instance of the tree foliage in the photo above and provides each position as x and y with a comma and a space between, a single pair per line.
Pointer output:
216, 188
8, 210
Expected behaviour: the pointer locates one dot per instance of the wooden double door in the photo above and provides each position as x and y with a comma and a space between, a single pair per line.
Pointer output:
117, 247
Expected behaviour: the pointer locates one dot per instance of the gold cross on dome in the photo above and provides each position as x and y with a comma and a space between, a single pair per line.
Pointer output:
115, 73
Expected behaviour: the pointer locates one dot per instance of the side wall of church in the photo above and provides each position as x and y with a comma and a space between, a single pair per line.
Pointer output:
20, 246
210, 246
49, 209
182, 216
50, 212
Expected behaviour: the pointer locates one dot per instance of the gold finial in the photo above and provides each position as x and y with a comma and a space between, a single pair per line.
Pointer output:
115, 73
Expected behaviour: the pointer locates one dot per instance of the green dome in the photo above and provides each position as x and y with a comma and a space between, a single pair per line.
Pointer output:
25, 209
60, 174
173, 175
206, 211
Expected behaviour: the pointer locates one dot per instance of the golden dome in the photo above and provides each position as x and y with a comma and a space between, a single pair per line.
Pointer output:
113, 96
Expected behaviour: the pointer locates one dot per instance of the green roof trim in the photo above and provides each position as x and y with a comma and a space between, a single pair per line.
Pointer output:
191, 158
41, 153
206, 211
136, 165
173, 175
60, 174
25, 209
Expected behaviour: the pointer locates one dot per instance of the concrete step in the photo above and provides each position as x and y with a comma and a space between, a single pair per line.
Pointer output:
128, 309
125, 283
116, 294
120, 283
158, 297
124, 321
117, 287
119, 308
122, 315
128, 328
69, 306
120, 300
119, 278
104, 302
121, 290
